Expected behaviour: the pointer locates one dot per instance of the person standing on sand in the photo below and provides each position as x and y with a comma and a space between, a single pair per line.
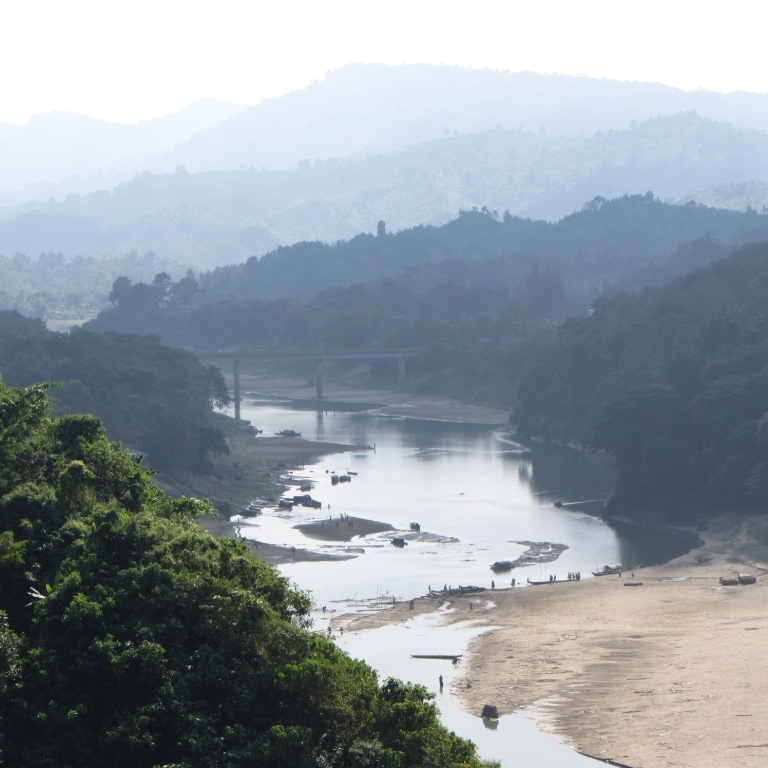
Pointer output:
441, 682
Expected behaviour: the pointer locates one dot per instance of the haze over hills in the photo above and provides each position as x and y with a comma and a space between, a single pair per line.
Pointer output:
364, 109
60, 153
408, 145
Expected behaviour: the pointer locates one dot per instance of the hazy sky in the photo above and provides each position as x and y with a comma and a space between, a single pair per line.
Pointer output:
129, 61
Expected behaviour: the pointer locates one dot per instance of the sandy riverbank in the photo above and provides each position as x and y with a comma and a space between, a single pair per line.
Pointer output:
386, 402
669, 673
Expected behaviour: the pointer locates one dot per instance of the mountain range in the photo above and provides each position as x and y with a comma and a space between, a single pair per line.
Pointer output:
406, 145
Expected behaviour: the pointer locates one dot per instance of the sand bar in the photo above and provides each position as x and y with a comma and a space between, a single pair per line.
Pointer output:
669, 673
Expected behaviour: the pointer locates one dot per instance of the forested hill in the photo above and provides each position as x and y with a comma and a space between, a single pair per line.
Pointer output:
673, 383
130, 638
605, 243
156, 400
534, 269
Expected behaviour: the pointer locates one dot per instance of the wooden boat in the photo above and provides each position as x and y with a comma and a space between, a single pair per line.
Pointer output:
502, 565
398, 541
537, 583
445, 656
609, 570
747, 578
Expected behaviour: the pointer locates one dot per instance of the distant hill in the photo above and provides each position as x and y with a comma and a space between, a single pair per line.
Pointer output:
408, 145
216, 218
59, 153
366, 109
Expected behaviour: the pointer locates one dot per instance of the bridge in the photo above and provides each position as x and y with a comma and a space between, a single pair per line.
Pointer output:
320, 356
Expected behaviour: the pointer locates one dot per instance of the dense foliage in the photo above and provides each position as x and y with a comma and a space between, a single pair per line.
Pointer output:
155, 399
129, 637
606, 243
672, 382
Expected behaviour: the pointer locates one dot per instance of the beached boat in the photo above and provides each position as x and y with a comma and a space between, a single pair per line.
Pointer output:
608, 570
287, 433
446, 656
398, 541
538, 583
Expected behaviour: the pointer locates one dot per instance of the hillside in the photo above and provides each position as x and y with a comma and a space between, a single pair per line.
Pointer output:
542, 269
672, 383
371, 143
59, 153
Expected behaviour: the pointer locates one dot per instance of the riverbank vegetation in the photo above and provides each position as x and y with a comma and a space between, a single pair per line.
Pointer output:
129, 637
155, 399
672, 382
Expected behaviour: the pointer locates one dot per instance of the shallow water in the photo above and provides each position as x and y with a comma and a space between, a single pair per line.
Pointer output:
514, 740
473, 491
476, 494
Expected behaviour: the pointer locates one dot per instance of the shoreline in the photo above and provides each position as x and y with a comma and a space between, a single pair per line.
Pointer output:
348, 395
668, 672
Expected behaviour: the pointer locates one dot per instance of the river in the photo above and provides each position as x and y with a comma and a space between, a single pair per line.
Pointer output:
476, 494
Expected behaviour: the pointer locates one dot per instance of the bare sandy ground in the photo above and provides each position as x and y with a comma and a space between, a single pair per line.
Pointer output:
387, 402
671, 672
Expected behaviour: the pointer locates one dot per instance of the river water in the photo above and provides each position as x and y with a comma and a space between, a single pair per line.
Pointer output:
476, 494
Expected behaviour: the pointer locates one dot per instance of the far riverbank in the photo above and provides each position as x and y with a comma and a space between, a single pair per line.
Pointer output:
385, 402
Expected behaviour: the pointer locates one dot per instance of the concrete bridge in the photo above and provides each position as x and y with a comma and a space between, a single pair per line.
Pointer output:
320, 356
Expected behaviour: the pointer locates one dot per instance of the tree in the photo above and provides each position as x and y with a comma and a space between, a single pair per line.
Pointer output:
129, 637
120, 290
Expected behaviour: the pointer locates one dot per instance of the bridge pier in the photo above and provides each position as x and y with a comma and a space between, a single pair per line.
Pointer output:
319, 378
237, 388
